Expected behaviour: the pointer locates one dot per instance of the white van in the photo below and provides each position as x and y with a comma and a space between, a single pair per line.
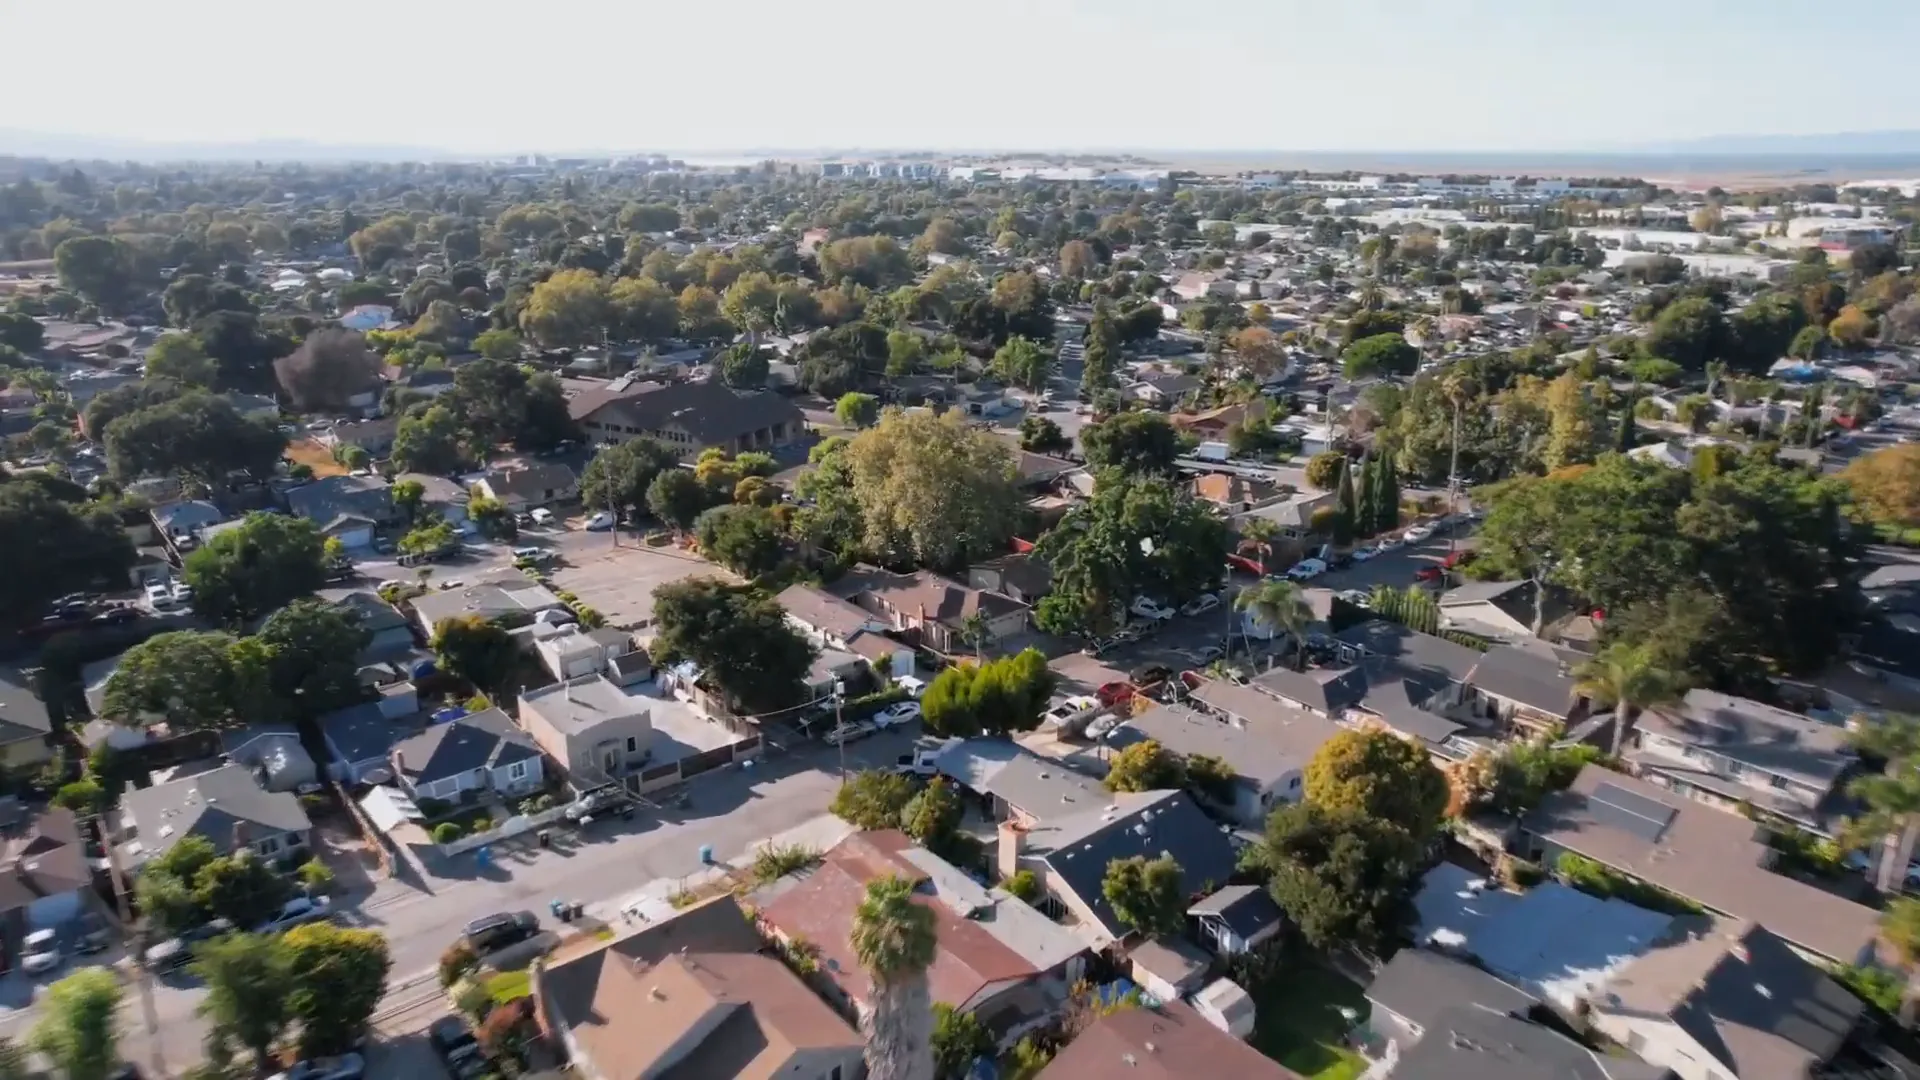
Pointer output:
542, 516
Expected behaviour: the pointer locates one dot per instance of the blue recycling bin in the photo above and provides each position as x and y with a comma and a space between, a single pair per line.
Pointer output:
706, 854
483, 855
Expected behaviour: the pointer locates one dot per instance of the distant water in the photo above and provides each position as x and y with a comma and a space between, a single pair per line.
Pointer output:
1677, 163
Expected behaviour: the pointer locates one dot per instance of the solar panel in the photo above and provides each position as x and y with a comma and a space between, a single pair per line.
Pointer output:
1630, 812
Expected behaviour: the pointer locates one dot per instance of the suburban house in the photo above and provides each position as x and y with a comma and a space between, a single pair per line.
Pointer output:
687, 417
227, 806
1412, 995
691, 995
996, 957
1168, 968
939, 609
1736, 1002
1718, 860
274, 753
829, 622
1432, 659
44, 873
1466, 1040
347, 508
481, 752
1069, 853
1726, 751
1211, 423
1291, 514
1168, 1041
511, 598
179, 523
1237, 919
24, 723
570, 652
1012, 783
1234, 493
375, 436
388, 630
360, 738
1497, 610
1164, 388
440, 497
525, 486
592, 729
1324, 692
1528, 689
1267, 744
1021, 576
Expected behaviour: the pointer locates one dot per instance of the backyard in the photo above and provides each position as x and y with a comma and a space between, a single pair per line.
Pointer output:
1298, 1022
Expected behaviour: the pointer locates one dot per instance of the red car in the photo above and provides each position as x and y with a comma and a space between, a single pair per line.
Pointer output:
1429, 573
1458, 558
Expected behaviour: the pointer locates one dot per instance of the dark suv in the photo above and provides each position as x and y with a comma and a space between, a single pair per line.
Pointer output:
491, 932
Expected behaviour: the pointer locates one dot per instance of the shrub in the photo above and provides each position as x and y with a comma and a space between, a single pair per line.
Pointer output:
775, 862
315, 875
447, 832
457, 962
1524, 874
433, 808
1023, 885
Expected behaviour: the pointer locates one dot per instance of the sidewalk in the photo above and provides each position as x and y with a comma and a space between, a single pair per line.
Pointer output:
653, 901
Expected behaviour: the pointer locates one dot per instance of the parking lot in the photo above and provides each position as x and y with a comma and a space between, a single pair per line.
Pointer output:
619, 581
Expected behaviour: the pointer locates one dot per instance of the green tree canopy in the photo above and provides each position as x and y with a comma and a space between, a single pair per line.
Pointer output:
1380, 775
1147, 894
620, 476
738, 637
246, 572
1339, 874
476, 649
1135, 443
1000, 697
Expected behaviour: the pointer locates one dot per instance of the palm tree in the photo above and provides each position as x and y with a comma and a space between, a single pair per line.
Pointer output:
1891, 796
1259, 533
1626, 679
893, 937
1279, 605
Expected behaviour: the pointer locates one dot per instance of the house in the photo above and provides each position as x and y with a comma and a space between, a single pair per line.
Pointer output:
1499, 610
1233, 493
274, 753
1021, 576
687, 417
1267, 744
360, 738
510, 598
825, 619
1529, 688
1163, 389
995, 957
180, 523
1412, 705
388, 631
1415, 991
691, 995
1718, 860
1237, 919
526, 486
1736, 1002
1468, 1041
939, 609
348, 508
1193, 285
24, 724
375, 436
571, 653
1401, 648
1727, 751
1168, 1041
44, 873
1291, 515
1211, 423
1324, 692
481, 752
227, 806
255, 406
591, 728
1069, 853
439, 496
630, 668
1014, 783
1168, 968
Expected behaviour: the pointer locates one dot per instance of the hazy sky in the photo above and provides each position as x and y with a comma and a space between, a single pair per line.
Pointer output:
500, 75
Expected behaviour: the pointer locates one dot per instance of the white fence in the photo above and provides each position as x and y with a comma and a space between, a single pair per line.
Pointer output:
506, 830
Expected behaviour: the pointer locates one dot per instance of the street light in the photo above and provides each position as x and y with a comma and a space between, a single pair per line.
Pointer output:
839, 696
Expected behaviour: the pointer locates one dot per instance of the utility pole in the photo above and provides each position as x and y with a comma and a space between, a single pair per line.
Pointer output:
1453, 481
839, 696
141, 974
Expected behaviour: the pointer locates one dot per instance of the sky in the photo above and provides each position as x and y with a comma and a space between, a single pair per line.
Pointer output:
500, 76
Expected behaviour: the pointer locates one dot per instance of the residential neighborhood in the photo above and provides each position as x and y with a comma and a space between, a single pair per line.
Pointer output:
936, 615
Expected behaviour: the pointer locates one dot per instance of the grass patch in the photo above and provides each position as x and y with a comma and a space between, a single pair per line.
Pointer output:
1297, 1020
509, 985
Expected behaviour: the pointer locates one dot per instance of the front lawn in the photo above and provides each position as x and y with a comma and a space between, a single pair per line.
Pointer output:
1297, 1020
509, 985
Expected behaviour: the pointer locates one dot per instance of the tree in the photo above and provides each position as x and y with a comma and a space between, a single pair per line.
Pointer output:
876, 262
180, 358
242, 347
857, 410
1886, 483
893, 938
1212, 778
197, 435
98, 268
931, 488
1102, 351
1381, 775
1279, 606
644, 309
744, 367
654, 217
431, 441
1890, 799
1851, 328
1141, 537
78, 1020
1145, 766
339, 976
329, 369
1900, 926
1023, 363
243, 888
677, 498
1040, 435
498, 344
22, 333
999, 697
933, 815
1625, 678
1147, 894
1688, 332
745, 539
55, 544
739, 638
1325, 468
1135, 443
475, 649
248, 571
873, 799
568, 309
197, 679
620, 477
1340, 875
1077, 257
1379, 354
315, 648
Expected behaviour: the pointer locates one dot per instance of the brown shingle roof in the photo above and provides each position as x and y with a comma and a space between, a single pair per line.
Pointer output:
823, 611
945, 600
1171, 1042
820, 909
42, 857
707, 411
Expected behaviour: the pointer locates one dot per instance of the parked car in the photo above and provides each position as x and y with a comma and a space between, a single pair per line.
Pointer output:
853, 732
1101, 725
596, 801
1201, 604
1148, 674
1429, 574
177, 951
913, 686
497, 931
600, 522
1147, 608
896, 714
161, 598
1205, 654
1458, 558
532, 554
1356, 597
40, 951
1306, 569
453, 1041
344, 1067
1419, 534
1389, 543
1363, 553
298, 912
1070, 710
542, 516
91, 934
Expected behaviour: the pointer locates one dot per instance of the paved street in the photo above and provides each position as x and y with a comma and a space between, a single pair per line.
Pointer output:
614, 860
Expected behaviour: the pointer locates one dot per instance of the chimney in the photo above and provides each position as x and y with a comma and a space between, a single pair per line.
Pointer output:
1013, 839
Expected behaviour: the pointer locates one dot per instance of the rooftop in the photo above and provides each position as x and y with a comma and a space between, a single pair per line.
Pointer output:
577, 706
226, 805
1167, 1042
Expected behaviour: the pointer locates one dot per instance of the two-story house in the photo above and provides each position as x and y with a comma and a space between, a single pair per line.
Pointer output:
831, 623
1528, 689
1267, 743
593, 729
1726, 751
941, 611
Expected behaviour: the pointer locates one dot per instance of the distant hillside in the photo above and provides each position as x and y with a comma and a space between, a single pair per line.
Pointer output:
1846, 143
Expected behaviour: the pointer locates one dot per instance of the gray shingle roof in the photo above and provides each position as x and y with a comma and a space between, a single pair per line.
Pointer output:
1412, 649
1419, 985
1246, 909
22, 715
483, 740
1149, 824
1467, 1043
1324, 690
214, 804
1525, 677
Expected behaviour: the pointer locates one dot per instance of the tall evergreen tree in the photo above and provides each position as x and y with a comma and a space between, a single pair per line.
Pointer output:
1628, 435
1386, 506
1363, 498
1344, 496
